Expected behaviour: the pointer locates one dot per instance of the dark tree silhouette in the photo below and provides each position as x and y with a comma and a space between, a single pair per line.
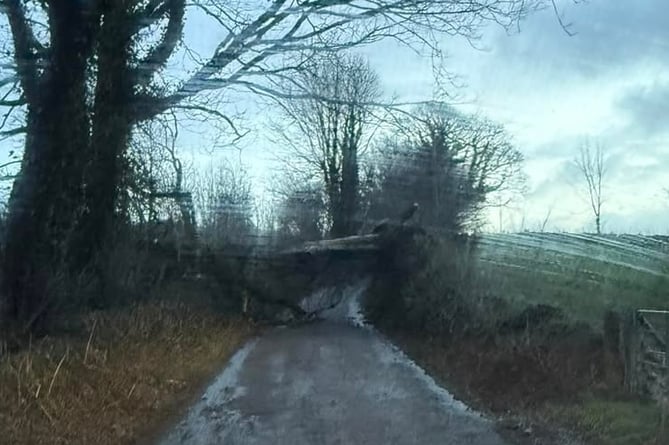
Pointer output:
448, 164
95, 73
327, 132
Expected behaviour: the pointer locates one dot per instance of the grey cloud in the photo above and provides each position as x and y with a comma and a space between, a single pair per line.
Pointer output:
560, 180
555, 150
647, 108
609, 35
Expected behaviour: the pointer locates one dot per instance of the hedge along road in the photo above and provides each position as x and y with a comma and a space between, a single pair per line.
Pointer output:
330, 382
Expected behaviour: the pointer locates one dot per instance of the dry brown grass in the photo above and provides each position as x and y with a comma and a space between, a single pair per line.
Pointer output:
537, 387
131, 373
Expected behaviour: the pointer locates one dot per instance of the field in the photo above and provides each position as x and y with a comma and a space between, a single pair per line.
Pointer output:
552, 375
579, 273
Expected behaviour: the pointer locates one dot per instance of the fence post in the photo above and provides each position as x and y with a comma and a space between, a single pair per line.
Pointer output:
664, 431
630, 348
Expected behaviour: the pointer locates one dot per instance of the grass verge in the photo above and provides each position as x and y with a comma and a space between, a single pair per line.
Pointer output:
511, 389
132, 372
610, 421
528, 327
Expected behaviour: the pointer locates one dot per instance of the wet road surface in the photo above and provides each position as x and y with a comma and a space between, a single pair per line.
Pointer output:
331, 382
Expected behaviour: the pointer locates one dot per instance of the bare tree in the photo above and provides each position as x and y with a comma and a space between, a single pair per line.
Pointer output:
591, 164
78, 74
224, 204
328, 131
422, 171
544, 223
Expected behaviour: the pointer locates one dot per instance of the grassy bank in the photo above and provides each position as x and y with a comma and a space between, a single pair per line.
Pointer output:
121, 378
515, 389
584, 276
526, 326
610, 420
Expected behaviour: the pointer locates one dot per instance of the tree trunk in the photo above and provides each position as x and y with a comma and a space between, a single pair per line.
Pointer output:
112, 126
333, 191
349, 189
46, 198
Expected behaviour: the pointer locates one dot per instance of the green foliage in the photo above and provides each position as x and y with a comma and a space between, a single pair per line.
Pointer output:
612, 422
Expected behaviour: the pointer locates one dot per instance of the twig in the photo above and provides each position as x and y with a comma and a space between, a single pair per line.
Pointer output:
53, 379
7, 164
90, 337
563, 25
46, 413
132, 389
18, 384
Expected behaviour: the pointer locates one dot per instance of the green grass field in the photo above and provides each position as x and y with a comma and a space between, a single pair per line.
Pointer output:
582, 274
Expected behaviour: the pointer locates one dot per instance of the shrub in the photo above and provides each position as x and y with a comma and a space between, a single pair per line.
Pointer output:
425, 283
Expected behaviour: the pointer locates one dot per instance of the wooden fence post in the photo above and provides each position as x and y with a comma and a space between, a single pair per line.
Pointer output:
630, 351
663, 437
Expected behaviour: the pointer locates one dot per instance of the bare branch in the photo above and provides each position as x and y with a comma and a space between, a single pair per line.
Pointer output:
284, 27
10, 163
26, 46
215, 113
9, 80
158, 56
565, 26
6, 134
12, 102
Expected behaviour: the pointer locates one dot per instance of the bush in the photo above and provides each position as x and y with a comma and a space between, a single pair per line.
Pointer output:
424, 283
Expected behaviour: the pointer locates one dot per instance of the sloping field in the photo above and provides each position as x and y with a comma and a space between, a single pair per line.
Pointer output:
580, 273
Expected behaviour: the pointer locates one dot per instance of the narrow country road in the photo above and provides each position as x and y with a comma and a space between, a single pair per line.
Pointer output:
331, 382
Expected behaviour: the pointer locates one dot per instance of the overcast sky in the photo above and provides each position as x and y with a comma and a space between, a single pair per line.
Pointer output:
608, 82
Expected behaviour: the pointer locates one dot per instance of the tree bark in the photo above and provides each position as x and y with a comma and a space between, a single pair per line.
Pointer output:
111, 129
350, 184
46, 198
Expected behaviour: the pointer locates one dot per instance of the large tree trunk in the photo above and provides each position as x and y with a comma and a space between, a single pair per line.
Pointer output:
112, 126
46, 198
